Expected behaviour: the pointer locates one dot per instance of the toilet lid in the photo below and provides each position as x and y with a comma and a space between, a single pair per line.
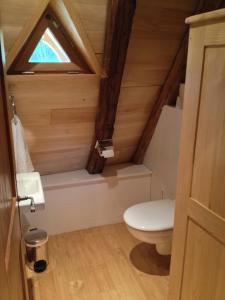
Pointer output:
151, 216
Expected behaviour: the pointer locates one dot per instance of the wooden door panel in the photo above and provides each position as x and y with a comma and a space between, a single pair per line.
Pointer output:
204, 257
213, 223
208, 185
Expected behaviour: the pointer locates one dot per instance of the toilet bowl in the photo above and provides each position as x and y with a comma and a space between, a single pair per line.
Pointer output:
152, 222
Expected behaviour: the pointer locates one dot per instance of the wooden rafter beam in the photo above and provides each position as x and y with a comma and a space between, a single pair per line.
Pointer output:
170, 89
120, 19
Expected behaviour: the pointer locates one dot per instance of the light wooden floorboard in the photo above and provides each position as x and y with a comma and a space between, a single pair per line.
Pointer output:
104, 263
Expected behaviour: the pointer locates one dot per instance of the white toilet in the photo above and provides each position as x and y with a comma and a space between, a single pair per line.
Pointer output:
152, 222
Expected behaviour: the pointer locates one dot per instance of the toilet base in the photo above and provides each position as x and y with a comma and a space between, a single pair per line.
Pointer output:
162, 239
164, 248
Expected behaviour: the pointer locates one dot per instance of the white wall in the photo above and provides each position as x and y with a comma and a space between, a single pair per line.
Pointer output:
77, 200
162, 154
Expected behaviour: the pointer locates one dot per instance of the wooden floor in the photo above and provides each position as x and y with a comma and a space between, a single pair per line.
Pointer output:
104, 263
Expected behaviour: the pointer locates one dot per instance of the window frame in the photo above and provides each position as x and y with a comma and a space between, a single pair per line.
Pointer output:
22, 65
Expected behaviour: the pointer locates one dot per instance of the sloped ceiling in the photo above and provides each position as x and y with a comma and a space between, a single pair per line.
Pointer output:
157, 31
58, 111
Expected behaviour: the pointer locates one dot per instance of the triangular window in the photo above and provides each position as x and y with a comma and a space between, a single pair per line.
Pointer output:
49, 50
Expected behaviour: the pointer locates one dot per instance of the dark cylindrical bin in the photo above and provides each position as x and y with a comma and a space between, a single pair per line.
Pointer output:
36, 249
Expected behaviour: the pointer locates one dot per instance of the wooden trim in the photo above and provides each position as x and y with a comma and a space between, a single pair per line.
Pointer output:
206, 218
118, 34
27, 295
26, 32
206, 17
8, 198
47, 20
25, 77
170, 87
70, 20
10, 231
8, 113
186, 157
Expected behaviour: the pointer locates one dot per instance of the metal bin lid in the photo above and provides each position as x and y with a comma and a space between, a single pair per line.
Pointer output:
35, 237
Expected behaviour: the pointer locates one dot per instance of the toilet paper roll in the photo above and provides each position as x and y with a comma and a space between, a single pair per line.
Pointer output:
108, 153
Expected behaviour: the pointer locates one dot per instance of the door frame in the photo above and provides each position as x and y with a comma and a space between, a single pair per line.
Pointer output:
12, 208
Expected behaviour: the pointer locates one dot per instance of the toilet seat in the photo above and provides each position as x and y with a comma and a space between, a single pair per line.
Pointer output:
155, 215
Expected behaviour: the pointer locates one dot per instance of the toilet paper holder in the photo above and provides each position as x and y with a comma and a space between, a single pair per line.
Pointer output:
105, 148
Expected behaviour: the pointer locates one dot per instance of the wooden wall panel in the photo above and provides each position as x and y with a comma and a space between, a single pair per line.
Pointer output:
57, 161
58, 114
132, 112
14, 15
157, 32
93, 15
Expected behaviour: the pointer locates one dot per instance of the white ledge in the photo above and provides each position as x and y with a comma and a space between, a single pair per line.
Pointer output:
82, 177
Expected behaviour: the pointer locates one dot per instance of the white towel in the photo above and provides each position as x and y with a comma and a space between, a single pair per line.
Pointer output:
22, 155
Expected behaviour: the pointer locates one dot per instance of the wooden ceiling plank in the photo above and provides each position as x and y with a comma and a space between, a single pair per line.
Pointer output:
170, 88
118, 30
26, 32
168, 92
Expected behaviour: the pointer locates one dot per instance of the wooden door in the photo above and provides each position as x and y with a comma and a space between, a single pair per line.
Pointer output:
198, 254
11, 287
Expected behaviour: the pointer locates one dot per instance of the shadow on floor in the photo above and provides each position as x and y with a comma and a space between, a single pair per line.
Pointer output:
145, 258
